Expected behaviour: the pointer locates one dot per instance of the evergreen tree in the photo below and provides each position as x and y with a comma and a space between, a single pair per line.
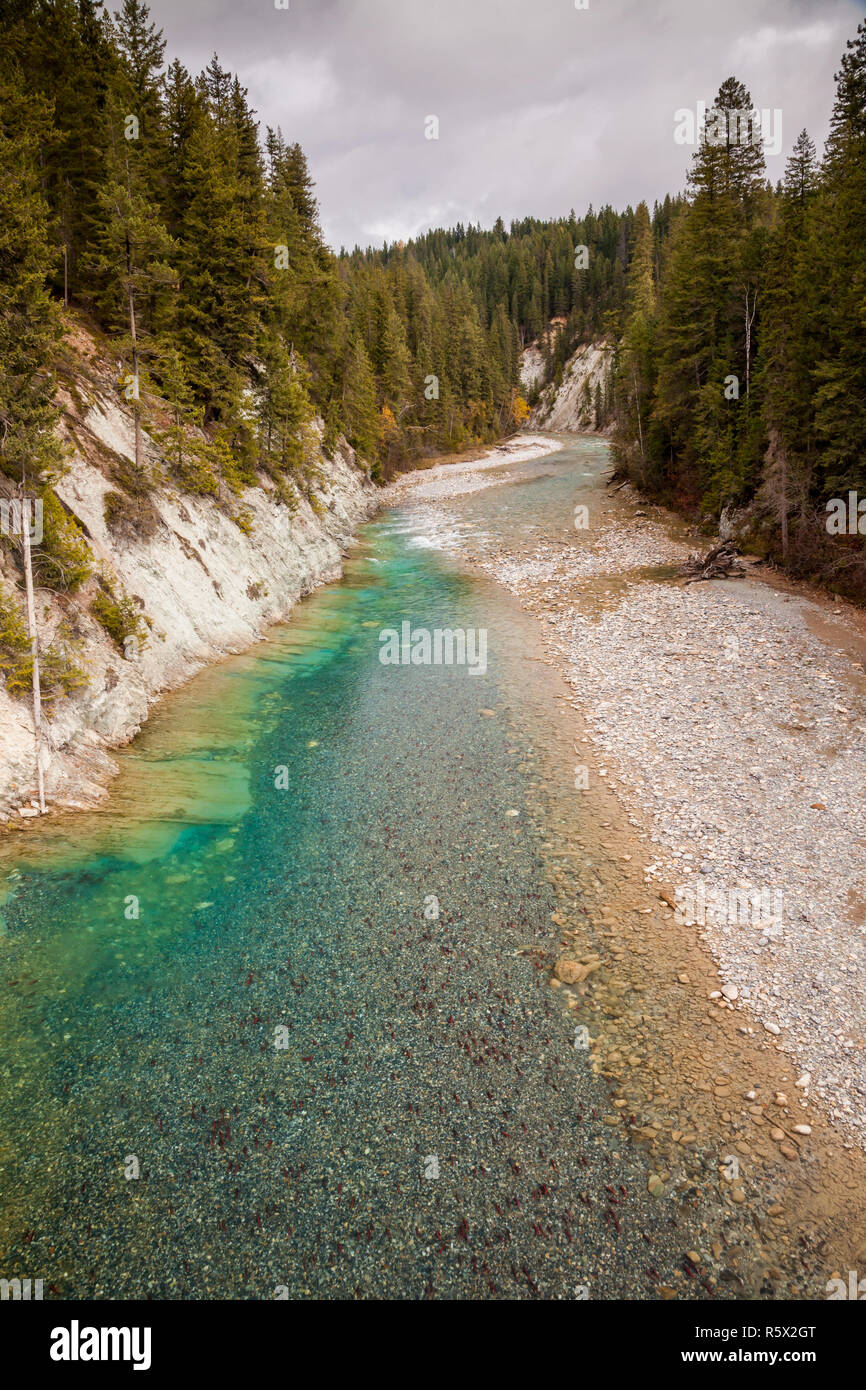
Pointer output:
635, 370
837, 253
132, 253
29, 322
142, 48
359, 408
786, 356
707, 307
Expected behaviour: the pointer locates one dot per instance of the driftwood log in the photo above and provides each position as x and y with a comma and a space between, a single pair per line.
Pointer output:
721, 562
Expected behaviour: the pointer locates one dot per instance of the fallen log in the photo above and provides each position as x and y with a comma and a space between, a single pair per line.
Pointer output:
722, 562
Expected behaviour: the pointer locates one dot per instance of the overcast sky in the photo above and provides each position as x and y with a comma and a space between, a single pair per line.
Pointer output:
541, 107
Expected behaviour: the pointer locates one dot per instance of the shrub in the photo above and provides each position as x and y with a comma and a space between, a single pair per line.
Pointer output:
331, 435
57, 673
134, 480
188, 459
62, 561
119, 616
133, 518
243, 519
288, 495
233, 461
194, 471
14, 642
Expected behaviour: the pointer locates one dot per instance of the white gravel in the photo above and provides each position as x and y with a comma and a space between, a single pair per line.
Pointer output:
738, 738
722, 717
456, 479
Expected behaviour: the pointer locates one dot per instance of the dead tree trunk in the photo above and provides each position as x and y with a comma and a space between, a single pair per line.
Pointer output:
639, 425
719, 563
135, 379
34, 647
750, 319
783, 502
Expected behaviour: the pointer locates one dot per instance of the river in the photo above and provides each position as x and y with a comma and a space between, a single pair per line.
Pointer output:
276, 1021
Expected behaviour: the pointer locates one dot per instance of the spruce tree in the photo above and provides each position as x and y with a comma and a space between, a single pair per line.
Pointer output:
359, 409
29, 321
837, 253
707, 307
785, 360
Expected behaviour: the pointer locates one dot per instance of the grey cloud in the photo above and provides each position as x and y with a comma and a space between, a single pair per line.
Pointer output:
542, 107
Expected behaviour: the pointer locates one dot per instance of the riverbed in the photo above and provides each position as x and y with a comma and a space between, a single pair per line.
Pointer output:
278, 1021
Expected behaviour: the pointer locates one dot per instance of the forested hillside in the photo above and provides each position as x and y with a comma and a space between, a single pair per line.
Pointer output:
152, 201
741, 374
501, 289
153, 204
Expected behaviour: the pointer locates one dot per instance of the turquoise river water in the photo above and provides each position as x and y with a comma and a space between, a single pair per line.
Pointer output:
238, 1058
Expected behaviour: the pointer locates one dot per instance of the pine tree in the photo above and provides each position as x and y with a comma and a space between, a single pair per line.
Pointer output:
29, 321
132, 253
306, 295
67, 54
707, 307
837, 249
142, 50
283, 406
223, 250
635, 371
359, 408
396, 362
786, 356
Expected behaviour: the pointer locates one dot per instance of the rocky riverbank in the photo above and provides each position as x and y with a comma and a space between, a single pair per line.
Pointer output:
708, 859
204, 585
729, 717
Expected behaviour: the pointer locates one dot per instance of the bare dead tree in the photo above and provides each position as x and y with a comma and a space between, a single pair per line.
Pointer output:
776, 485
750, 319
34, 643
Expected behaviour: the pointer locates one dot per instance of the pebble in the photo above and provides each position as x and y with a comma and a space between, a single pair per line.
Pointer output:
669, 678
568, 971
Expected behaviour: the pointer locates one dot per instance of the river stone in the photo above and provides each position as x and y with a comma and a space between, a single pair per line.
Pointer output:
570, 972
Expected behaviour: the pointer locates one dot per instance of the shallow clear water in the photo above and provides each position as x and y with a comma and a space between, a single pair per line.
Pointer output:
153, 951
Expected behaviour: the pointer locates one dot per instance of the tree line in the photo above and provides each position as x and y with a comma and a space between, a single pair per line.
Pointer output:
740, 378
153, 204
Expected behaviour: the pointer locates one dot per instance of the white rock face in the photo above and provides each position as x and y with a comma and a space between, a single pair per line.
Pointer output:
207, 588
572, 408
531, 366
